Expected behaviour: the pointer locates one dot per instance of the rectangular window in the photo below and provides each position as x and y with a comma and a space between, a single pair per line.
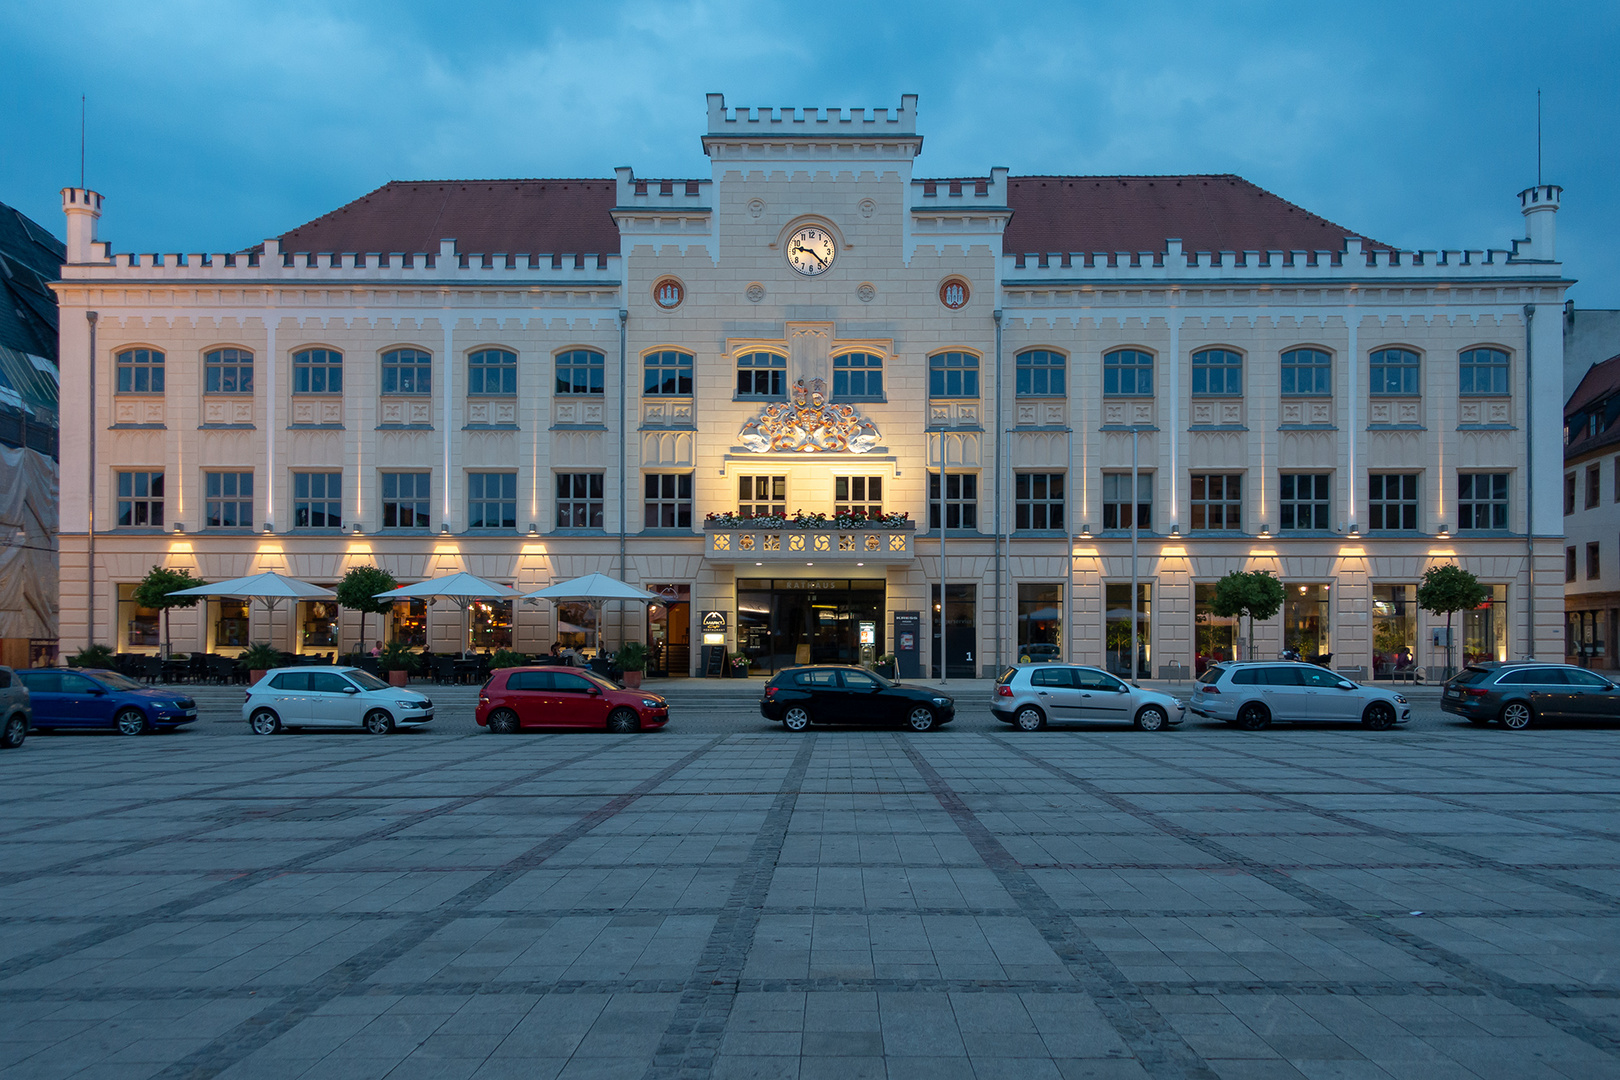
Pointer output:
858, 494
1305, 499
1040, 374
1307, 620
492, 372
405, 498
1569, 564
140, 371
1482, 371
228, 371
1482, 501
1216, 635
1394, 629
1593, 569
1392, 502
1117, 628
668, 502
1128, 373
580, 371
1392, 372
953, 375
228, 500
1569, 492
138, 627
1307, 372
1616, 466
667, 374
407, 371
1594, 485
1118, 504
140, 500
317, 500
1038, 501
858, 376
1040, 620
492, 500
761, 496
1217, 501
318, 371
579, 500
761, 374
1217, 373
961, 495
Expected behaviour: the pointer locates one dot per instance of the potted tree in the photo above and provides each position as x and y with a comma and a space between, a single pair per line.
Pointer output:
96, 657
632, 657
398, 663
156, 590
257, 659
1255, 593
358, 592
1448, 589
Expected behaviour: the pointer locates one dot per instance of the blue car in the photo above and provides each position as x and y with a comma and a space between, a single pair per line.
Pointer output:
87, 698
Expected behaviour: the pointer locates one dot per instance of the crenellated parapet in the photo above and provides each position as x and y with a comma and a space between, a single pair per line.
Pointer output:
812, 122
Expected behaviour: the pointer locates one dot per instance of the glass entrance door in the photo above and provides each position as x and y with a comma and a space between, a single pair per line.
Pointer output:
955, 630
782, 622
669, 631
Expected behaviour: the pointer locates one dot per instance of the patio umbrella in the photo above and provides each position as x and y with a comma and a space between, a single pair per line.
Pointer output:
461, 588
595, 589
270, 587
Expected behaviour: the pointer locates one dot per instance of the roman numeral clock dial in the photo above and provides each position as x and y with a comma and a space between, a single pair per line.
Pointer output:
811, 251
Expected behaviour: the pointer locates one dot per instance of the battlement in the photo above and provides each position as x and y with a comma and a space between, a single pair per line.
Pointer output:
1540, 197
812, 122
639, 193
972, 193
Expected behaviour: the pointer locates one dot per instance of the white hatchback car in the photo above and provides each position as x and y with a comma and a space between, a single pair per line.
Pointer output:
1031, 696
331, 697
1253, 693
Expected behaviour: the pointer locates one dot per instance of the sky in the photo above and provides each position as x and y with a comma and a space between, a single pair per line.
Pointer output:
214, 125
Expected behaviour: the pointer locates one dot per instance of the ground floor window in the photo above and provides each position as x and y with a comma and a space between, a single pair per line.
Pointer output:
1216, 635
137, 626
318, 625
1117, 603
955, 631
1484, 629
576, 625
1394, 630
409, 623
1307, 620
227, 624
669, 630
1584, 638
1040, 620
489, 624
786, 621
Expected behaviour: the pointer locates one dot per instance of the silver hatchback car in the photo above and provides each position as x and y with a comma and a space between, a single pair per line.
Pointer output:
1031, 696
1253, 693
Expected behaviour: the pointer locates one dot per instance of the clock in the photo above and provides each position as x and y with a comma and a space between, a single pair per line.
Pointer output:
811, 251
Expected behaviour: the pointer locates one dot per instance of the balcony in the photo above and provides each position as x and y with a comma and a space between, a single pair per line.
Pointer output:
824, 541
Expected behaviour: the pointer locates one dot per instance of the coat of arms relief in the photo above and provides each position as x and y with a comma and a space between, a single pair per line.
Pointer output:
807, 423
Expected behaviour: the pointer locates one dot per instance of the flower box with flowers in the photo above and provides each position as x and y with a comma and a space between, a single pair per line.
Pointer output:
801, 520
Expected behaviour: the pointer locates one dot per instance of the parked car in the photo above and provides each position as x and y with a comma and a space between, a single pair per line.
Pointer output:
835, 694
1032, 696
1520, 694
1039, 654
336, 698
92, 698
15, 710
568, 699
1252, 694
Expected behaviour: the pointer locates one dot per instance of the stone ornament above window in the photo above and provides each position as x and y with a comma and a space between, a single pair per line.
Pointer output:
807, 424
954, 293
668, 293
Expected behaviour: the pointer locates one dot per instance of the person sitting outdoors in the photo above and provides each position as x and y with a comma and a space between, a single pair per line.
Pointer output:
376, 650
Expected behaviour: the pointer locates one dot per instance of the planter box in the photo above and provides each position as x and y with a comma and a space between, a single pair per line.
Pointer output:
398, 678
632, 679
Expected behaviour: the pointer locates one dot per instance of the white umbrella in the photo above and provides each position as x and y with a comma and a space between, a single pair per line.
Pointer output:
270, 587
594, 589
461, 588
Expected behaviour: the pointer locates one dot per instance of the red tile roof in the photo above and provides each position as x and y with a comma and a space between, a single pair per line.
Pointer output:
1139, 213
517, 217
1600, 381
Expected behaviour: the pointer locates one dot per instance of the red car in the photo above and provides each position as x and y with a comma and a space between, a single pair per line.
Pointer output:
564, 698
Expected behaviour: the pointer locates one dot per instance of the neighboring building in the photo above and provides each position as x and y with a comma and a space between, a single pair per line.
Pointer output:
1591, 336
30, 259
1592, 517
533, 379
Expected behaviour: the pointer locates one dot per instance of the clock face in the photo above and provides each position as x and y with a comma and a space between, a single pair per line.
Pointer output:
810, 251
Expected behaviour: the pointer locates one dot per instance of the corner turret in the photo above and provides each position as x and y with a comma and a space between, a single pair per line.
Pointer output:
82, 207
1539, 205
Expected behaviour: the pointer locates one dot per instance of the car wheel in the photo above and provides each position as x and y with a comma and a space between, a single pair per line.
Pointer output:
503, 722
1151, 718
1254, 717
1380, 716
1516, 716
796, 719
264, 722
379, 722
1030, 718
920, 719
131, 722
623, 721
16, 730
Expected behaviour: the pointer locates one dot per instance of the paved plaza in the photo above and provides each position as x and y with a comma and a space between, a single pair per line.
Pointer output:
732, 901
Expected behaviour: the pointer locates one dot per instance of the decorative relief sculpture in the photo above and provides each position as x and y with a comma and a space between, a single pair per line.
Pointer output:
807, 424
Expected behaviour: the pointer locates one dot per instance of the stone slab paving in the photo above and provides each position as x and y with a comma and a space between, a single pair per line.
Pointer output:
1432, 903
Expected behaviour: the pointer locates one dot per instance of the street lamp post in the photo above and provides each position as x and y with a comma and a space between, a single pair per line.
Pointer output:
1136, 512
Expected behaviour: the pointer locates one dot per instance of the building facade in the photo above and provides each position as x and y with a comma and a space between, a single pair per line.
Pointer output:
1592, 517
1009, 396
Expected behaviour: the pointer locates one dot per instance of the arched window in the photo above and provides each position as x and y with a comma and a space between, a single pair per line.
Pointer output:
140, 371
857, 375
317, 371
1393, 371
1040, 373
228, 371
492, 372
407, 371
668, 374
580, 371
1482, 371
1217, 373
1307, 372
761, 374
953, 375
1128, 373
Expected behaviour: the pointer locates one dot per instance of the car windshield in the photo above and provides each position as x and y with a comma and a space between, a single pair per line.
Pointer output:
366, 680
114, 681
1469, 675
1211, 674
1006, 676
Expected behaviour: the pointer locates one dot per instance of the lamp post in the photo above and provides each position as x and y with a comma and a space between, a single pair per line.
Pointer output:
1136, 513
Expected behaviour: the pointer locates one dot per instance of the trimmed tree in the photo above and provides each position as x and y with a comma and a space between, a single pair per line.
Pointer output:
1255, 593
358, 592
1448, 589
157, 589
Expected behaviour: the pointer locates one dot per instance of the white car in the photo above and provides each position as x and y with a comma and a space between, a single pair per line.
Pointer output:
331, 697
1032, 696
1253, 693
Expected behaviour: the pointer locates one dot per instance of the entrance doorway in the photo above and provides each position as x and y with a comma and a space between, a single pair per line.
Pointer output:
786, 621
669, 631
954, 630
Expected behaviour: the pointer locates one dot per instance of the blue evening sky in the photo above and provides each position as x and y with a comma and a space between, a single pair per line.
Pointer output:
214, 125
